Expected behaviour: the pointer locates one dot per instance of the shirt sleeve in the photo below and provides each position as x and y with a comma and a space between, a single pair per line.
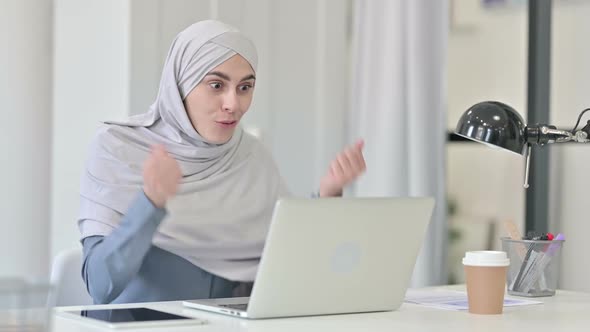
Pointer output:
111, 262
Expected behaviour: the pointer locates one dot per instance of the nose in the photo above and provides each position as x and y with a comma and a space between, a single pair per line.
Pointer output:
230, 102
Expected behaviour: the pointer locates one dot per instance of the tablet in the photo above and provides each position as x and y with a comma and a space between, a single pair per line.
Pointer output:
130, 317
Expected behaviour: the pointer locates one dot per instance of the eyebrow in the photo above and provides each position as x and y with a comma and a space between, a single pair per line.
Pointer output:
225, 77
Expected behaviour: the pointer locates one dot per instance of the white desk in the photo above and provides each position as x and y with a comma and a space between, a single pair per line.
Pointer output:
567, 311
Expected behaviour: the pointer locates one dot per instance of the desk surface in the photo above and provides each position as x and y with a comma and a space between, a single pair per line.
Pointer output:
566, 311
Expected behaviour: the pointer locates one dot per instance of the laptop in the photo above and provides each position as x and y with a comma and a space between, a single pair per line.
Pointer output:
333, 256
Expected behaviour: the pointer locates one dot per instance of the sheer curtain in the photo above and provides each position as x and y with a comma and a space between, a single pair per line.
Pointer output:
399, 108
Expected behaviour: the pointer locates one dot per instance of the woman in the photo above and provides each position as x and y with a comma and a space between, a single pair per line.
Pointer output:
176, 202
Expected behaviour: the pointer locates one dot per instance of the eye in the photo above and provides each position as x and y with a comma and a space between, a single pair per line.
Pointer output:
215, 85
245, 87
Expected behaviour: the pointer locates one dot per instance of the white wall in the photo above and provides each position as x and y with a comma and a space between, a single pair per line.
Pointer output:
25, 92
570, 69
309, 85
487, 61
91, 74
570, 84
109, 56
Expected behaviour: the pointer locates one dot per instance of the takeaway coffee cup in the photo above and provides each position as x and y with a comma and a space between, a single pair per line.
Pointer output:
485, 274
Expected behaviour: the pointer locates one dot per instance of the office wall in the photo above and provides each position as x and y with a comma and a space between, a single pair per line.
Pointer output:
487, 61
25, 93
109, 57
90, 83
570, 85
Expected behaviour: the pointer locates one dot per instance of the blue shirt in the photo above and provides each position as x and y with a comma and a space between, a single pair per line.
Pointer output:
125, 267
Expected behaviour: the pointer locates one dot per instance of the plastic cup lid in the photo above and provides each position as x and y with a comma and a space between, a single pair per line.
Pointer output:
486, 258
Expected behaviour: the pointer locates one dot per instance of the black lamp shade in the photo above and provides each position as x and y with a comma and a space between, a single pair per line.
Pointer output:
494, 123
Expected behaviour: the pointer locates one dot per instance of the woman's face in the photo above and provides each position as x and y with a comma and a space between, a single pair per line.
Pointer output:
216, 105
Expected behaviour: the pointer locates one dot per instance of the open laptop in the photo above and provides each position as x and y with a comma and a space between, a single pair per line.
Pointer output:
332, 256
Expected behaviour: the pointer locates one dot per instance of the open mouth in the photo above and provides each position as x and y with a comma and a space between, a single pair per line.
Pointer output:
227, 123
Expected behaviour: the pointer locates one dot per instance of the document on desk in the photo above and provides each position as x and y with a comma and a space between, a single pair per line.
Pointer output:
453, 300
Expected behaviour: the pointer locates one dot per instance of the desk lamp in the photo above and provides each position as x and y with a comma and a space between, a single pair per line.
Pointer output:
500, 126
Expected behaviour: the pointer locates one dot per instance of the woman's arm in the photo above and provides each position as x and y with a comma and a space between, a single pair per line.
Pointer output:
111, 261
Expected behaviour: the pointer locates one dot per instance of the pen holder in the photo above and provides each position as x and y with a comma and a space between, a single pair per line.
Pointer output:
24, 305
534, 268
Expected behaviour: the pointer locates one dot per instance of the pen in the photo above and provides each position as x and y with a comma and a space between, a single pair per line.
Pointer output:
529, 265
539, 268
522, 267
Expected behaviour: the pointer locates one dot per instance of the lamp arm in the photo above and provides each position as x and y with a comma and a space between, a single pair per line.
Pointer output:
580, 136
554, 135
546, 134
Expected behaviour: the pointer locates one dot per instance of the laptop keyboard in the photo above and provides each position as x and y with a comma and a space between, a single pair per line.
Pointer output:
237, 306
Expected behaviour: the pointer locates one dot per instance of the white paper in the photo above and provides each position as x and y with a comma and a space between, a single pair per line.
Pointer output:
453, 300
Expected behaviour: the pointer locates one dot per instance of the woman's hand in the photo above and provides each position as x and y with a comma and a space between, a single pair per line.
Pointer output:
345, 168
161, 176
